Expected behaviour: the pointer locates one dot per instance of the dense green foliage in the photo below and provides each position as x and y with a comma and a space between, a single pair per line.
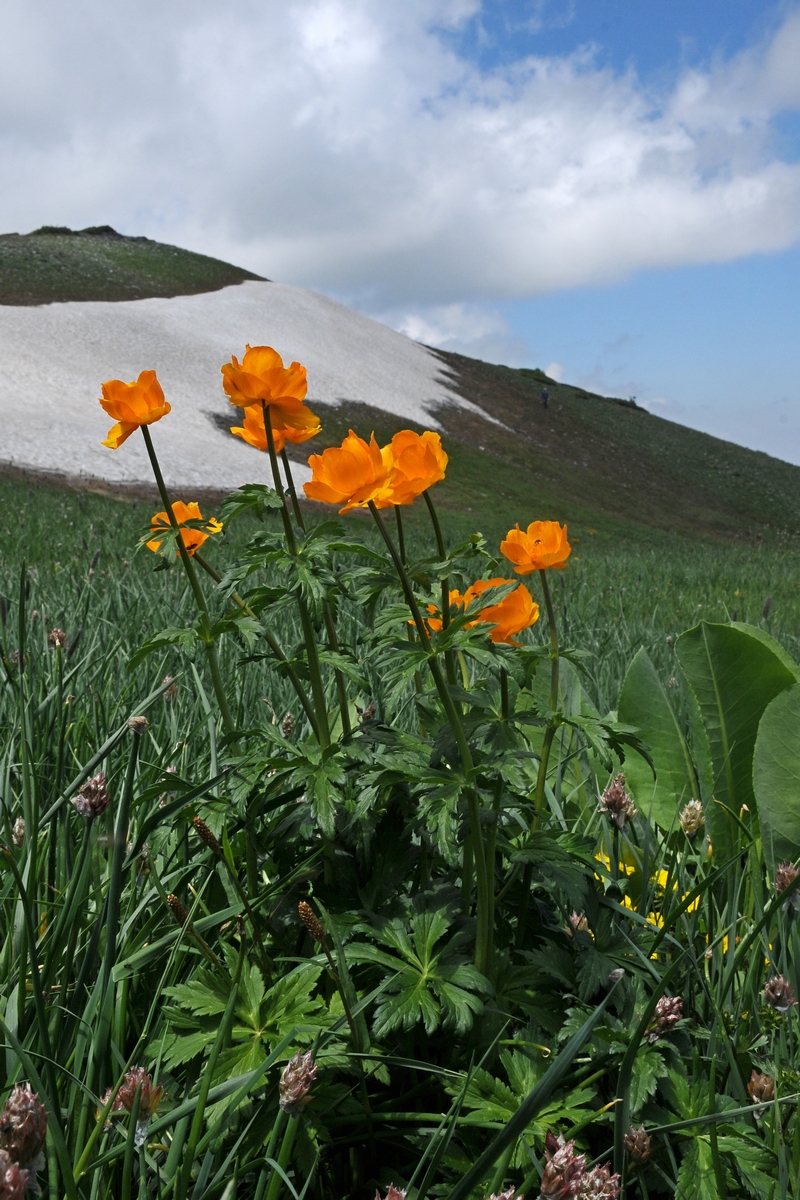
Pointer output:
443, 1061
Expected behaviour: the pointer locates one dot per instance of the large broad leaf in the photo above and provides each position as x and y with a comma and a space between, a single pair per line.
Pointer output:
643, 703
776, 778
734, 671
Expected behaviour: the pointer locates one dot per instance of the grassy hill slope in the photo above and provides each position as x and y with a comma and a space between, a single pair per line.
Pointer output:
56, 264
611, 469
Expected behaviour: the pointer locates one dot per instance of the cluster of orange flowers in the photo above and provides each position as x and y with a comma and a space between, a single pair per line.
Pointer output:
517, 611
259, 380
544, 544
358, 472
352, 475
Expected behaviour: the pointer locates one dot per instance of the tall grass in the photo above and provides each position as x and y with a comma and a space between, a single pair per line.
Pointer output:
139, 940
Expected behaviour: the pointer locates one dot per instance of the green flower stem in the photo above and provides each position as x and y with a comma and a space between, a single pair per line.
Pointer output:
330, 624
504, 693
341, 687
482, 939
309, 634
467, 873
549, 733
292, 490
401, 541
547, 743
276, 1182
273, 644
449, 664
194, 583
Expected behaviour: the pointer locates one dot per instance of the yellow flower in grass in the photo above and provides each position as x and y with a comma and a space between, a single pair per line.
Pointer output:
652, 918
624, 868
192, 538
662, 878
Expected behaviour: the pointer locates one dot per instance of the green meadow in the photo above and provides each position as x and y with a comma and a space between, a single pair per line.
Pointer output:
310, 888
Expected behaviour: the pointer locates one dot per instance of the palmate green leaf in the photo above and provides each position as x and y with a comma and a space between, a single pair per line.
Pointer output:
347, 665
184, 1047
200, 999
185, 639
438, 799
321, 775
457, 990
648, 1068
696, 1178
431, 983
491, 1100
251, 992
253, 497
560, 860
609, 738
754, 1162
408, 1000
264, 1017
241, 1058
487, 1098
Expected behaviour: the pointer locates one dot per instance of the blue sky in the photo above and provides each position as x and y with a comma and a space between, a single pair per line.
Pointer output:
715, 345
609, 190
652, 37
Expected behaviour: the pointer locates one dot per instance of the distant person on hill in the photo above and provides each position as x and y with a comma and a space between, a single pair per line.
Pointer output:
545, 397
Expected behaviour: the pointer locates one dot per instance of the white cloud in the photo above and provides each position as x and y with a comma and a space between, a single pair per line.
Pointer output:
555, 370
471, 329
343, 144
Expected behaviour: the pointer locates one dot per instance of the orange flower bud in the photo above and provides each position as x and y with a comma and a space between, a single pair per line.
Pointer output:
192, 538
351, 474
544, 544
132, 405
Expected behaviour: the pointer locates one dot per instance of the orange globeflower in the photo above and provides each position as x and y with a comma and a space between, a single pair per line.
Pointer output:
351, 474
132, 405
253, 431
419, 462
544, 544
262, 377
433, 622
191, 538
517, 612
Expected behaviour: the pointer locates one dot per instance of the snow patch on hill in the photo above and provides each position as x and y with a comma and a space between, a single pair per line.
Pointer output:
53, 359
